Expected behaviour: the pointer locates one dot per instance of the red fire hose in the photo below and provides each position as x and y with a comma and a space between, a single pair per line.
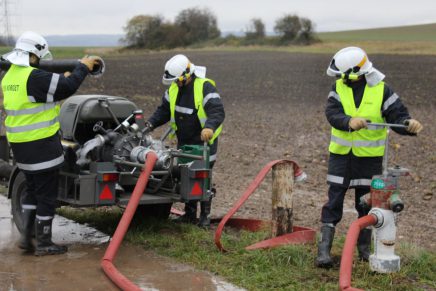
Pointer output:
348, 251
299, 234
108, 267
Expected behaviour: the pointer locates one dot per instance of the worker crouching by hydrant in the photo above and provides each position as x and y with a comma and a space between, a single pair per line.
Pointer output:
196, 113
31, 102
358, 97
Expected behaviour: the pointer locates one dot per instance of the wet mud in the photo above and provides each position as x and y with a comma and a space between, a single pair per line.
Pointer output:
79, 268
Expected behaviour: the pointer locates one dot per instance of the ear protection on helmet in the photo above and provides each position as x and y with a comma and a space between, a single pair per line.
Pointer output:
186, 74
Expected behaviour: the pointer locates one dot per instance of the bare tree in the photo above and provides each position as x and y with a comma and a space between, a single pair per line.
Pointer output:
256, 29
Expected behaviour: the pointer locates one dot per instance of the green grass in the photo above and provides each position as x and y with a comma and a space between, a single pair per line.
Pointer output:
283, 268
426, 32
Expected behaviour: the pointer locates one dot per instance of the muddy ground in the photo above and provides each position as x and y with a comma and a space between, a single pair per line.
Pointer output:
80, 266
275, 109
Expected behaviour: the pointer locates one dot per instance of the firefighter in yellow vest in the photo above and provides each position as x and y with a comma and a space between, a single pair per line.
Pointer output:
194, 109
31, 101
356, 150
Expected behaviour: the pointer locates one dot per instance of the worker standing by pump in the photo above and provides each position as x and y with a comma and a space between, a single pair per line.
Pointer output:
358, 97
31, 103
193, 106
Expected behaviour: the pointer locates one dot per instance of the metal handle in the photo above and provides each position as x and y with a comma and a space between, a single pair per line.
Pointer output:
391, 125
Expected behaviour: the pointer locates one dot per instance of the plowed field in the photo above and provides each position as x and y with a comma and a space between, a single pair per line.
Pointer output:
275, 109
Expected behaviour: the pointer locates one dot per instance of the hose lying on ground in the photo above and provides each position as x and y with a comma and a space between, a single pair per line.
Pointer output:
107, 262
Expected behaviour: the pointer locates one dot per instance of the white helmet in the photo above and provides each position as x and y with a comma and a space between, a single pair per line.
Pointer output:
28, 42
178, 67
352, 62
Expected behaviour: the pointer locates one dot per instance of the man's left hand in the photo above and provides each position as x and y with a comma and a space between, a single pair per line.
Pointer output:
206, 134
67, 74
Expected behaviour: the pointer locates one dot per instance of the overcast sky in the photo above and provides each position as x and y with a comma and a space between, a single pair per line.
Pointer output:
50, 17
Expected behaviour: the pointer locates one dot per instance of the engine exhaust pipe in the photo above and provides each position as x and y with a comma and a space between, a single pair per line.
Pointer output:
61, 66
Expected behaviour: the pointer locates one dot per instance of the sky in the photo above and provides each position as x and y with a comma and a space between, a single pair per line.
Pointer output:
51, 17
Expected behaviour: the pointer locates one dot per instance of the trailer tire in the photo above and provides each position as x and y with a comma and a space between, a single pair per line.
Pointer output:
19, 186
152, 211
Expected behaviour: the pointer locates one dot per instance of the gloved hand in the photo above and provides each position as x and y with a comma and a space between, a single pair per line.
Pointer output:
357, 123
89, 62
414, 126
148, 128
206, 134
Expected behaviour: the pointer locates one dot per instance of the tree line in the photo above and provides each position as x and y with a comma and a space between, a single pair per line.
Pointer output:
194, 26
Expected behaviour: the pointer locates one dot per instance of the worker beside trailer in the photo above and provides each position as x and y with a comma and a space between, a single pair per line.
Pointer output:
31, 102
193, 106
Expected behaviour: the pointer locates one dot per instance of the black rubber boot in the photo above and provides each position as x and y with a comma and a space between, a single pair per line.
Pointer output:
205, 214
324, 259
28, 217
190, 215
364, 244
44, 245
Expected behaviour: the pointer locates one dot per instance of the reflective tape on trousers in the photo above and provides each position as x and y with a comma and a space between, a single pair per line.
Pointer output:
41, 166
335, 179
360, 182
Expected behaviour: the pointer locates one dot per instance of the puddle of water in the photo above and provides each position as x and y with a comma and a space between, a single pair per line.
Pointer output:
79, 268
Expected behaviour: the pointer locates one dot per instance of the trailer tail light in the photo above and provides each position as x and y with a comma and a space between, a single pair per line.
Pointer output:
110, 177
201, 175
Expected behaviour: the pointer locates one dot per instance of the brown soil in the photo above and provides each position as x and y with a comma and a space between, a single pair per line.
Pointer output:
275, 109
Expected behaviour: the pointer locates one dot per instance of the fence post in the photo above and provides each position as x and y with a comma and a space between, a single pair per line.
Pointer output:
282, 197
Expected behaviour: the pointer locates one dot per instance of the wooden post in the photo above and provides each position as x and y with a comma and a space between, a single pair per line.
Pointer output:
282, 196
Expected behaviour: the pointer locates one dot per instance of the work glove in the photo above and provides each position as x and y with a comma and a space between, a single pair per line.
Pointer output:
413, 126
206, 134
148, 128
357, 123
89, 62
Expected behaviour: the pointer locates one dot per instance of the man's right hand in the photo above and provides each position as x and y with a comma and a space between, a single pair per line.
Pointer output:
357, 123
89, 62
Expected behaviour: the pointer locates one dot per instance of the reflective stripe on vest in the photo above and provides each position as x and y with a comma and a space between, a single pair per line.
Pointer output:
27, 121
368, 142
199, 101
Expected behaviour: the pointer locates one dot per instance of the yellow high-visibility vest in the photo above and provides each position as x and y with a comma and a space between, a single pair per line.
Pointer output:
198, 101
26, 121
368, 142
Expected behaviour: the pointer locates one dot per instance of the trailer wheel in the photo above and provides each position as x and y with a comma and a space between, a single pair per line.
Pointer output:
152, 211
19, 186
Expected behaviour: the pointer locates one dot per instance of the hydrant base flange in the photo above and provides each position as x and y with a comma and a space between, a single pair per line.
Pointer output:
384, 265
